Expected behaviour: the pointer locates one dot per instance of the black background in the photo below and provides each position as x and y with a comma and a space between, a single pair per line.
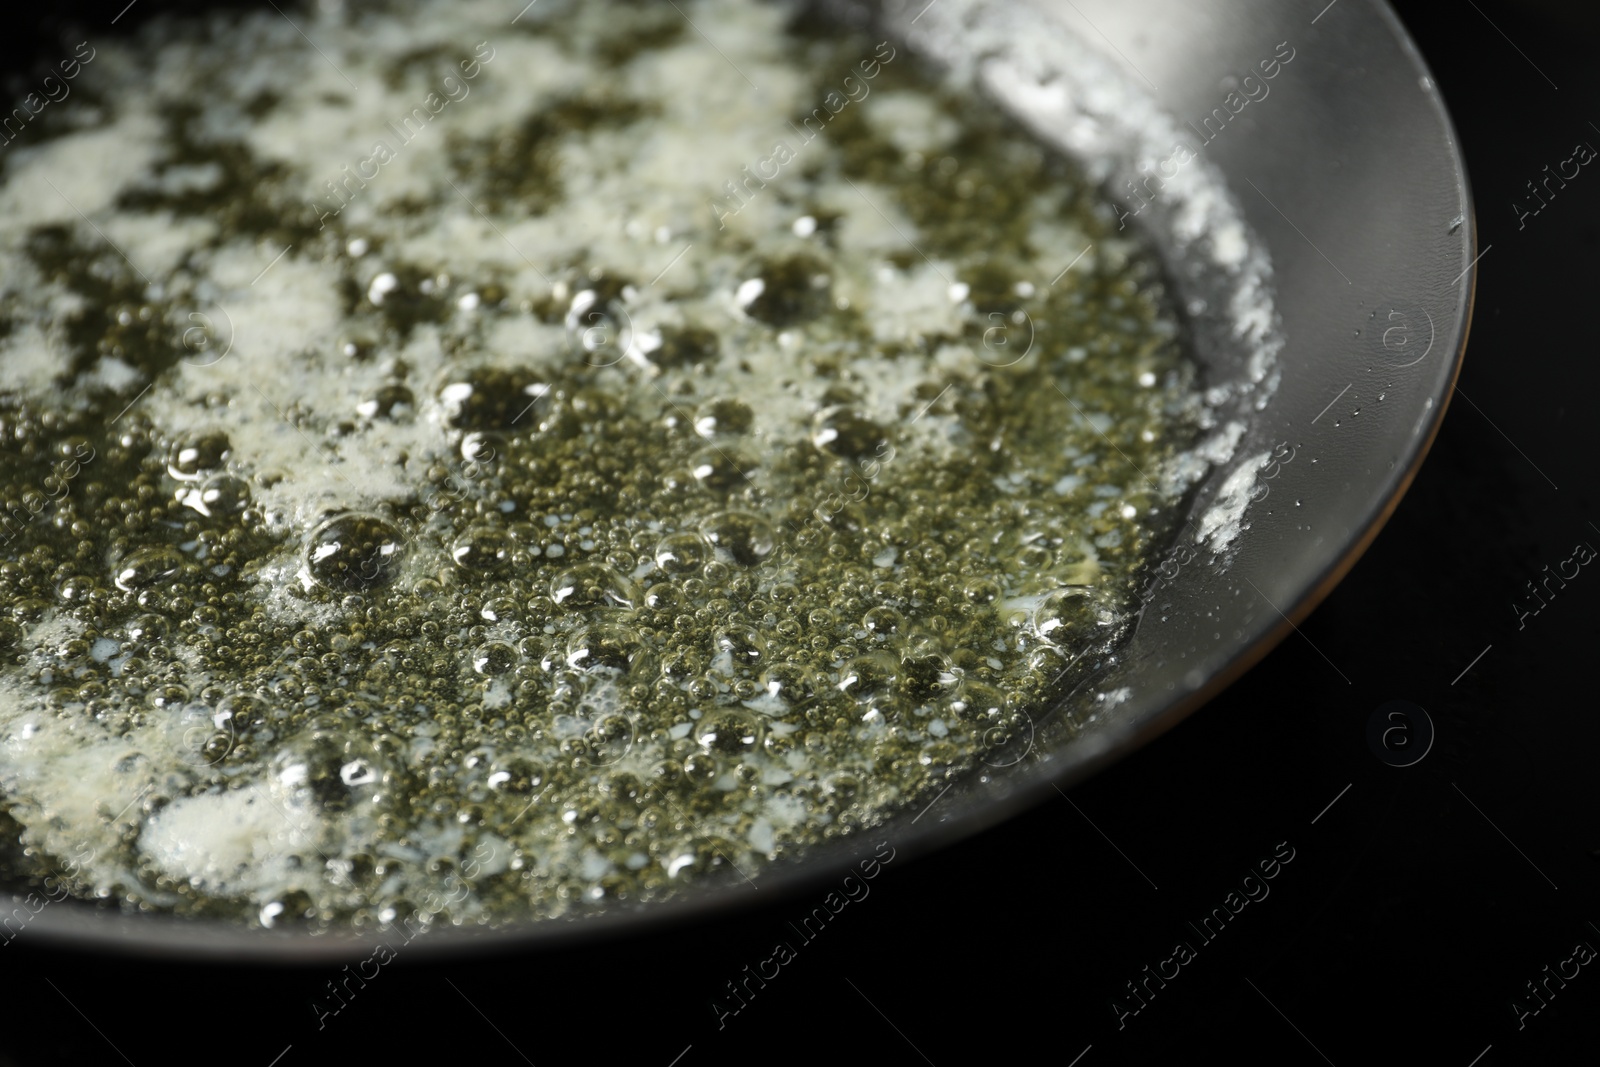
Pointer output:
1415, 908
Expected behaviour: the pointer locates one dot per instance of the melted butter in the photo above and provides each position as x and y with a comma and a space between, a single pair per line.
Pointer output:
555, 523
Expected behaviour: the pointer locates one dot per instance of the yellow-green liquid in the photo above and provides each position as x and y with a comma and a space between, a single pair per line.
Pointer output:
634, 622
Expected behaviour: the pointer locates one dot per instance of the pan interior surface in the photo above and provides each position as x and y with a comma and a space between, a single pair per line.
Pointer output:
1371, 283
1330, 363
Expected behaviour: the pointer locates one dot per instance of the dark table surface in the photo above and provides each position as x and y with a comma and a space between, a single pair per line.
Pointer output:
1439, 912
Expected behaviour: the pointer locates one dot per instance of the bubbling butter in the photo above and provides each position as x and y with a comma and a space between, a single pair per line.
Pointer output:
468, 472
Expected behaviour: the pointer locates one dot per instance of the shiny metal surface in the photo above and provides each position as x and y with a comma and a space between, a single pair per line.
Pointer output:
1350, 176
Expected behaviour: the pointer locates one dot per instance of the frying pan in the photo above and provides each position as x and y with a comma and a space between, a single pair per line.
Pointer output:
1347, 176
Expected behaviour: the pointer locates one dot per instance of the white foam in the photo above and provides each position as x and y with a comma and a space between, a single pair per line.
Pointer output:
245, 840
1223, 522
